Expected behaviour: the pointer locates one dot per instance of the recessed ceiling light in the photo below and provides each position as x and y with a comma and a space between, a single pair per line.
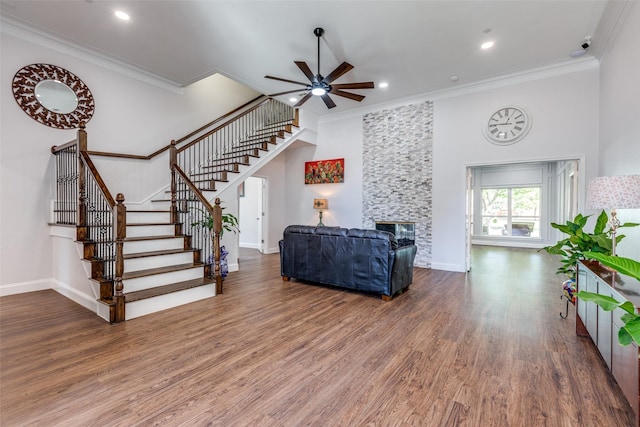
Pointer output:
454, 78
292, 99
122, 15
487, 45
383, 85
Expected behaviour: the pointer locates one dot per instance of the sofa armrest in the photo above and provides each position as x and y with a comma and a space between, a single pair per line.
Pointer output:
402, 273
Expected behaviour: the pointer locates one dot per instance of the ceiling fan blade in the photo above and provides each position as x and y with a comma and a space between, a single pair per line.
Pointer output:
328, 101
361, 85
304, 99
286, 80
289, 91
306, 70
340, 70
349, 95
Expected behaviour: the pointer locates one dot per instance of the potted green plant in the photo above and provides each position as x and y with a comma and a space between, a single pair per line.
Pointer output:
578, 241
229, 223
630, 331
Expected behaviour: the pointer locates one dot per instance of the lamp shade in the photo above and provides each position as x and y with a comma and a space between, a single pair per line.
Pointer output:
320, 204
614, 192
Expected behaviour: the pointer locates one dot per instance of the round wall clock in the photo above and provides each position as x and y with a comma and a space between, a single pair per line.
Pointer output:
507, 125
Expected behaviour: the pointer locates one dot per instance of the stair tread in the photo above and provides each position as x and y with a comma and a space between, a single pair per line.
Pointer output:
166, 289
138, 239
156, 253
159, 270
135, 224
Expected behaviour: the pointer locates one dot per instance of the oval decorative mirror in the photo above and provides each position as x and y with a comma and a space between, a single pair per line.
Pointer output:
53, 96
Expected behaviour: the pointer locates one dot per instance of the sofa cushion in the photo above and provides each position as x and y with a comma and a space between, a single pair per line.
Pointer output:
374, 234
301, 229
331, 231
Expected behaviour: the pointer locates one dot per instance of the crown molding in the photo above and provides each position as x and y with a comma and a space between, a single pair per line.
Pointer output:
613, 18
543, 72
15, 28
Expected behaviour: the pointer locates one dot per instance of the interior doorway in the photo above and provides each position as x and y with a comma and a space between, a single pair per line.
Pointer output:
513, 204
251, 213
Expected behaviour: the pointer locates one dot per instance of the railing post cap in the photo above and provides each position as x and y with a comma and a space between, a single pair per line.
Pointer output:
82, 125
120, 198
173, 142
217, 201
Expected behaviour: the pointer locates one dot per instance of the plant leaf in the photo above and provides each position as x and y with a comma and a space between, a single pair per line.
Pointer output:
601, 223
623, 265
605, 302
632, 328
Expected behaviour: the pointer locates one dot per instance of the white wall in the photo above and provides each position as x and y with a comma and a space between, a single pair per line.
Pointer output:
131, 116
340, 138
564, 107
620, 118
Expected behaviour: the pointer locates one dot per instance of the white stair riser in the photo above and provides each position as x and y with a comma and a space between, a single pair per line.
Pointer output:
147, 282
147, 217
146, 263
153, 245
163, 302
150, 230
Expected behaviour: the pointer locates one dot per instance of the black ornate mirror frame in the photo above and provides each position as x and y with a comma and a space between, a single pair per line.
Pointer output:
24, 85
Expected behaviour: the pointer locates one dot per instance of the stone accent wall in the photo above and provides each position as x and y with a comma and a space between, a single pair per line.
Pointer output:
397, 170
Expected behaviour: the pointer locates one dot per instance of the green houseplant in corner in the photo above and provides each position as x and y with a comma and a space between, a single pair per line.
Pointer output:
630, 331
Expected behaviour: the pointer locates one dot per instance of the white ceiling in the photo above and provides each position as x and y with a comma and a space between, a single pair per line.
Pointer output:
415, 46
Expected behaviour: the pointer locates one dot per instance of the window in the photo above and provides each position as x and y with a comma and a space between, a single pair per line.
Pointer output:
511, 211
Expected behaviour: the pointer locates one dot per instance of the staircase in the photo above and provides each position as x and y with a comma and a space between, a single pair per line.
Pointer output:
161, 269
157, 259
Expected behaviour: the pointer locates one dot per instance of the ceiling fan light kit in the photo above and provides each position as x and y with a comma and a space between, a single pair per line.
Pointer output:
321, 86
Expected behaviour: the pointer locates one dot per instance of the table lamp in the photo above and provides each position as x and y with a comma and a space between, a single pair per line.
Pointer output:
614, 192
320, 204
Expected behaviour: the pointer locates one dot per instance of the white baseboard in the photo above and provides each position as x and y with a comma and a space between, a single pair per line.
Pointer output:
87, 301
274, 250
249, 245
447, 267
24, 287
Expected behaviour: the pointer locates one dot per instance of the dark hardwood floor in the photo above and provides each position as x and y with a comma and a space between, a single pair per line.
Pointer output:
483, 349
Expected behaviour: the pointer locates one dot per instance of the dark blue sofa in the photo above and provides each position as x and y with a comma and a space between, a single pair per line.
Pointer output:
363, 260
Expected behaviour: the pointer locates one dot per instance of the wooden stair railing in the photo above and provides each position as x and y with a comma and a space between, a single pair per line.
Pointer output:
179, 140
83, 199
195, 211
96, 216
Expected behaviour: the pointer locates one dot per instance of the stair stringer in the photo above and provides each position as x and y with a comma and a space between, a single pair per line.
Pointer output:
300, 137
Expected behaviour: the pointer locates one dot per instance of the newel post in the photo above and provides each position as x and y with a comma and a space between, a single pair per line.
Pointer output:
121, 234
173, 161
217, 229
82, 180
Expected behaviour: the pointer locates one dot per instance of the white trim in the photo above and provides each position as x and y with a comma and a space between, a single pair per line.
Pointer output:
273, 250
447, 267
84, 300
17, 29
250, 245
24, 287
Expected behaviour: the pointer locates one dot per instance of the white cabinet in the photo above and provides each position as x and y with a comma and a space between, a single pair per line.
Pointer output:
602, 326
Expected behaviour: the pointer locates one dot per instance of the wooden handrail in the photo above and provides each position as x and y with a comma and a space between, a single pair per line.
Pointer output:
195, 190
216, 214
212, 131
103, 187
178, 141
57, 148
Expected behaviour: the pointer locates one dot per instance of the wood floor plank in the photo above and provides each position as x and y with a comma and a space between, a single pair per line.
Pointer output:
486, 348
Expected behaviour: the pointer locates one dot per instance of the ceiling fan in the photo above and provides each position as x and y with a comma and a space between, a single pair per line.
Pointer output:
321, 86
